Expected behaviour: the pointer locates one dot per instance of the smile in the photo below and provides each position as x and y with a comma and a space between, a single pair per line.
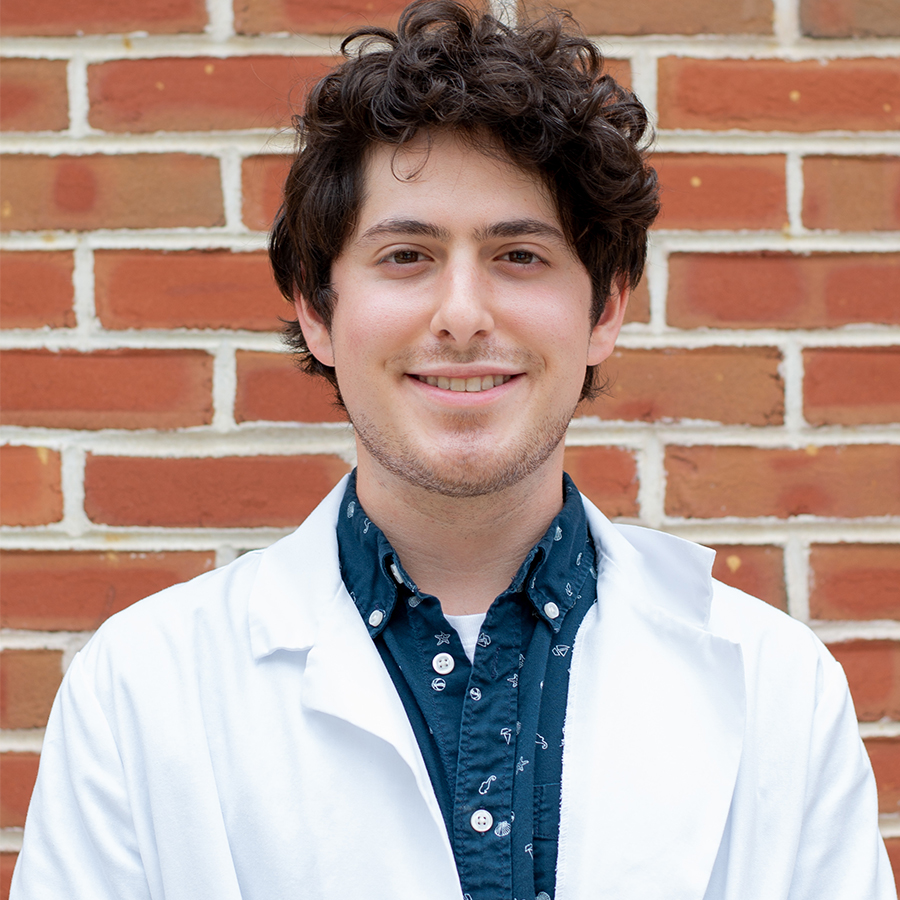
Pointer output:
470, 385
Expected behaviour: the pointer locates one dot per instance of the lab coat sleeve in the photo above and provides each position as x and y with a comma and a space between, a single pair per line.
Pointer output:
80, 839
841, 853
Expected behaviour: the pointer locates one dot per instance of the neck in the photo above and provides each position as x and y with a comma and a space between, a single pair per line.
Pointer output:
464, 551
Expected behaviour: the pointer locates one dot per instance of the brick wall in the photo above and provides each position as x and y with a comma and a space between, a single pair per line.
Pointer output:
150, 420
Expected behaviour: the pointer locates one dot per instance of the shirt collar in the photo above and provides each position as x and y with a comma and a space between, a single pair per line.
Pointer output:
552, 575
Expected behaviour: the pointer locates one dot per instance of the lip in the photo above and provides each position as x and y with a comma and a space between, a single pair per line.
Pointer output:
464, 398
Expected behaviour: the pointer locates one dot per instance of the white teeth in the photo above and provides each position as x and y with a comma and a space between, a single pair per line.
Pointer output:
472, 385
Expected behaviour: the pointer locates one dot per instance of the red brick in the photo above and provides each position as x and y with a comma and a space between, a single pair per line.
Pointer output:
778, 95
854, 581
781, 290
709, 191
7, 864
30, 486
607, 476
262, 178
873, 673
735, 385
200, 93
638, 309
652, 17
756, 569
893, 850
248, 492
29, 680
36, 289
96, 585
850, 18
270, 388
302, 17
851, 385
187, 289
107, 388
18, 772
33, 95
145, 190
59, 17
852, 193
854, 480
884, 752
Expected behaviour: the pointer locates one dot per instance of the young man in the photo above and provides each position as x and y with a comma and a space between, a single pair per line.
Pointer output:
451, 681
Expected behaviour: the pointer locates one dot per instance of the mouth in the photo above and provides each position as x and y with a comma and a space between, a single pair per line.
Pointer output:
473, 385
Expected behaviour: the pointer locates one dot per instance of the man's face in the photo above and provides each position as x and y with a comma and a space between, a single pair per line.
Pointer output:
461, 328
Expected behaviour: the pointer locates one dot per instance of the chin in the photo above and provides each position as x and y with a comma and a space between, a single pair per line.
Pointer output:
464, 467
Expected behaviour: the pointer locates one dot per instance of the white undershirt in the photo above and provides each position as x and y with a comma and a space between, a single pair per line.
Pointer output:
468, 628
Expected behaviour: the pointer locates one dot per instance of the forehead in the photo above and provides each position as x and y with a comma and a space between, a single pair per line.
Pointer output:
445, 176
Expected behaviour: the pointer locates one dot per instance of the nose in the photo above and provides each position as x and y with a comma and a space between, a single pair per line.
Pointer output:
463, 312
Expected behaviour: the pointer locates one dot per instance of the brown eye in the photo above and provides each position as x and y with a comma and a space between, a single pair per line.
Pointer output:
523, 257
404, 256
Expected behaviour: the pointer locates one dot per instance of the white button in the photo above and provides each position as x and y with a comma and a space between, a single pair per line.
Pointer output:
396, 573
443, 663
551, 610
475, 693
376, 617
482, 820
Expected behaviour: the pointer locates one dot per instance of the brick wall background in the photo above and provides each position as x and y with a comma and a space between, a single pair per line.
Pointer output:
151, 421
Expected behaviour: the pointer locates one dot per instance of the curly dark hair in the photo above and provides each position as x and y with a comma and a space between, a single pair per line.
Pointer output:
535, 93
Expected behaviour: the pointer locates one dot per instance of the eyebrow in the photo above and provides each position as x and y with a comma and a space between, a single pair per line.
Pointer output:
511, 229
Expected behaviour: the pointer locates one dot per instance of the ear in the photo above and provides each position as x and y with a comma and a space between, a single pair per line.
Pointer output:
605, 333
314, 330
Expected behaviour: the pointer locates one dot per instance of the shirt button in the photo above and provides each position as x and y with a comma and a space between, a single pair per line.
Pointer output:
551, 610
443, 663
376, 617
481, 820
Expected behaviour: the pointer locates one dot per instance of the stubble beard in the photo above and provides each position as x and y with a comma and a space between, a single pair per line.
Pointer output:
468, 468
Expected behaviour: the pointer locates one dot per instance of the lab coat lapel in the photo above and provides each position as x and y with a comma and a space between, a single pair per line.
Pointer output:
299, 603
654, 728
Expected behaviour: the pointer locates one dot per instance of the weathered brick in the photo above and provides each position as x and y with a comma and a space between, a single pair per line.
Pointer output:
187, 289
61, 17
200, 93
302, 17
779, 95
854, 581
850, 18
30, 486
782, 290
851, 385
852, 193
607, 476
29, 680
884, 752
854, 480
735, 385
107, 388
756, 569
270, 388
251, 491
18, 772
658, 17
873, 673
262, 179
76, 591
708, 191
36, 289
145, 190
33, 95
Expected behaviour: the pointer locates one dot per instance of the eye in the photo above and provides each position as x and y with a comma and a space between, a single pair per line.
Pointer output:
403, 257
521, 257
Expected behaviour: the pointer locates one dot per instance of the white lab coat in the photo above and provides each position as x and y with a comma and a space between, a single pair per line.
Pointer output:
239, 737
